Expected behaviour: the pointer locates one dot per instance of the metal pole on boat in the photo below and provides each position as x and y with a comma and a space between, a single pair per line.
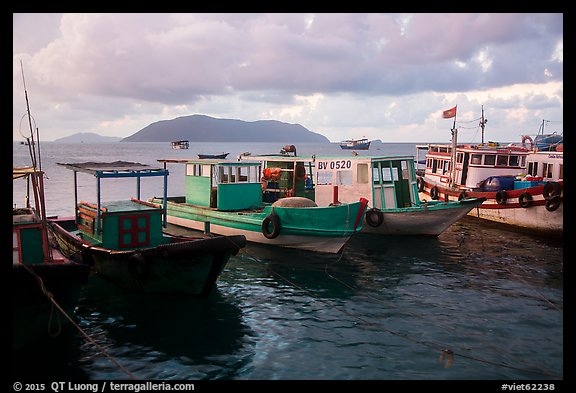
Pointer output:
75, 197
453, 152
483, 123
165, 204
98, 206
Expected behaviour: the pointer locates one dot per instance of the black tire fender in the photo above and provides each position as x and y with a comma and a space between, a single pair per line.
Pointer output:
275, 221
525, 200
374, 217
501, 197
551, 189
553, 203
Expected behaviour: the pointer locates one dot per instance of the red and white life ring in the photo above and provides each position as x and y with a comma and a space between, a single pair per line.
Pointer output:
525, 139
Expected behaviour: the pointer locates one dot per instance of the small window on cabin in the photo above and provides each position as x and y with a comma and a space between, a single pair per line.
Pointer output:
434, 165
440, 166
344, 178
362, 173
501, 160
459, 158
222, 175
429, 163
514, 161
547, 170
533, 168
204, 170
490, 159
561, 175
376, 175
389, 174
404, 166
242, 173
476, 159
324, 177
523, 161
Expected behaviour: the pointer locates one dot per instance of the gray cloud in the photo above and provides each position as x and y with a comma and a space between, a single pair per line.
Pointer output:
104, 61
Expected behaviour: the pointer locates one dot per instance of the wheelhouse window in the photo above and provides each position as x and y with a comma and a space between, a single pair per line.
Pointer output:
324, 177
547, 170
362, 173
532, 168
459, 157
198, 170
238, 174
514, 161
476, 159
489, 159
344, 178
502, 160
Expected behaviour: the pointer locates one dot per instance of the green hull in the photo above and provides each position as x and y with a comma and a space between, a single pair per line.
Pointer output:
322, 229
185, 266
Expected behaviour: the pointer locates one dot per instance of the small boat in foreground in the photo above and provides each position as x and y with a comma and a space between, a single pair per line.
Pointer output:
355, 144
124, 240
40, 273
225, 197
388, 184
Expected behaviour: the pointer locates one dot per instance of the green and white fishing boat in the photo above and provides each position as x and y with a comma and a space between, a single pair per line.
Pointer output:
225, 197
125, 243
389, 183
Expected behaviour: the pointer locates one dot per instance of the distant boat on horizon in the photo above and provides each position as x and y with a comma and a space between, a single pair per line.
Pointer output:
180, 144
356, 144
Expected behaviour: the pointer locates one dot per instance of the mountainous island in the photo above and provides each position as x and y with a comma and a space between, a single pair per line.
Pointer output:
89, 137
202, 128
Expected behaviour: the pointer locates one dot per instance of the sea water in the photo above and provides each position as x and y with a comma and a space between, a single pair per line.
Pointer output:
479, 302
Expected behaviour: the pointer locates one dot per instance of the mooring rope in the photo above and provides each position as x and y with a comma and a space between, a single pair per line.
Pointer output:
54, 303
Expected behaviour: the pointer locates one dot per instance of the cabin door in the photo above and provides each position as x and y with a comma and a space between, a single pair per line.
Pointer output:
401, 184
464, 169
391, 184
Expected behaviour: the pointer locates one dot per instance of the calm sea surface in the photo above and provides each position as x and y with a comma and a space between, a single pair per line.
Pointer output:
478, 302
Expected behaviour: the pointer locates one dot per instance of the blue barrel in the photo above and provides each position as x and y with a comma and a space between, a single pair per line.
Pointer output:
496, 183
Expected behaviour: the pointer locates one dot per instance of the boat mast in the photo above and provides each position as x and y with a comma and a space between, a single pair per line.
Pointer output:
453, 153
483, 122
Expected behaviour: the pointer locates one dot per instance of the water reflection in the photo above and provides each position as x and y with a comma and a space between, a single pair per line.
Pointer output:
178, 333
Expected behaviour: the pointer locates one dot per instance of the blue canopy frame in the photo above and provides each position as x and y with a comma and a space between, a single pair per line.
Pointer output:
117, 169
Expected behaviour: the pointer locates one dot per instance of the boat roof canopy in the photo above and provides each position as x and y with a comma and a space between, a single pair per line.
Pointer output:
203, 161
272, 157
18, 172
115, 169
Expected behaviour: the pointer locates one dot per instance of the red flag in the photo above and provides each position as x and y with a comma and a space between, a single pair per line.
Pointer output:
449, 113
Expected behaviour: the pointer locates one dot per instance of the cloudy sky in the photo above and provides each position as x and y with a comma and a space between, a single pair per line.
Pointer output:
348, 75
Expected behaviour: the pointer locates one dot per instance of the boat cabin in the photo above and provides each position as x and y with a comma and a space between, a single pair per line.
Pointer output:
387, 182
286, 176
548, 165
221, 184
119, 225
29, 236
473, 163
